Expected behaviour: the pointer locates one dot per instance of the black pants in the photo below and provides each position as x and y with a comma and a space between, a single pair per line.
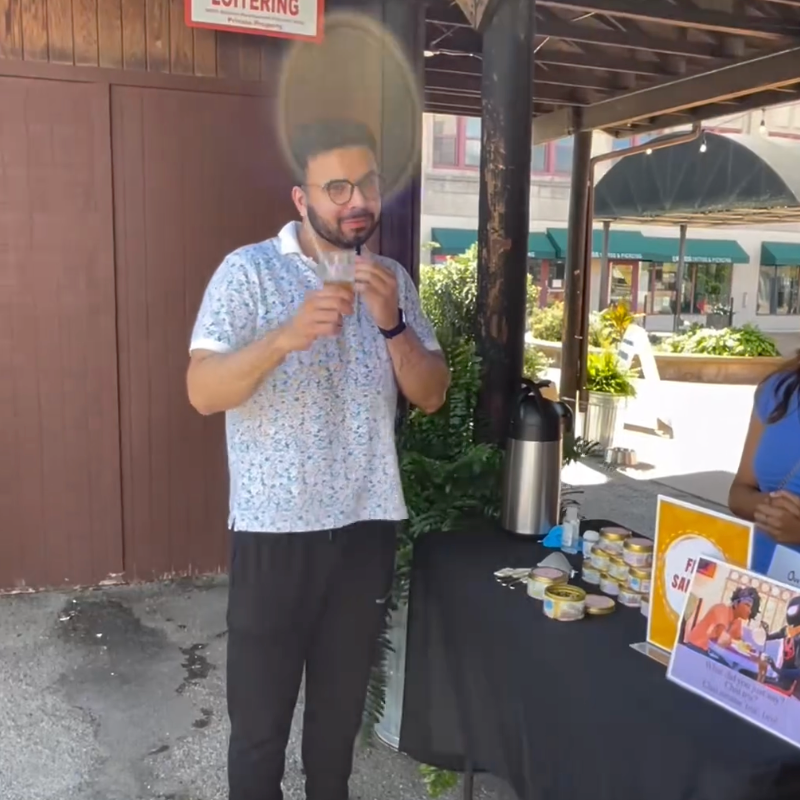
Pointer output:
312, 601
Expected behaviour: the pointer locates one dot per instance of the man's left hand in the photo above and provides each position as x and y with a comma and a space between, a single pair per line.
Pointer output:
378, 286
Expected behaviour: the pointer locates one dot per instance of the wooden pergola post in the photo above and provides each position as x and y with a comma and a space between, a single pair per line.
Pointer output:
575, 271
505, 177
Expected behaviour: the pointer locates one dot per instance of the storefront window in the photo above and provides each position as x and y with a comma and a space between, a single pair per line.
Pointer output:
705, 288
661, 289
621, 283
779, 290
710, 287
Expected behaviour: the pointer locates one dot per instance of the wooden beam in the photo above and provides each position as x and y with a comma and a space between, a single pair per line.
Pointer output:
589, 63
503, 207
545, 87
552, 27
468, 9
691, 17
541, 94
692, 95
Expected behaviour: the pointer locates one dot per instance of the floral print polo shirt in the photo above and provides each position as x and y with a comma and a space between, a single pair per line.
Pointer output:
314, 448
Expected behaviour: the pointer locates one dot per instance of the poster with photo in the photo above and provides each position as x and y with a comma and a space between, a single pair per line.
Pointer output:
738, 645
685, 533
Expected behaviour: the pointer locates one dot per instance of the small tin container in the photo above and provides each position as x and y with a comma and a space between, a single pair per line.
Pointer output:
618, 569
590, 573
639, 580
589, 540
542, 577
599, 606
627, 597
599, 559
564, 603
609, 585
638, 553
612, 539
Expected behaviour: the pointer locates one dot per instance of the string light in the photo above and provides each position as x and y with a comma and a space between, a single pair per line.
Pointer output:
649, 151
703, 144
762, 128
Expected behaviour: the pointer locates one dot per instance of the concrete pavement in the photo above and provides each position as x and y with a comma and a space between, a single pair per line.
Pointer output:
118, 694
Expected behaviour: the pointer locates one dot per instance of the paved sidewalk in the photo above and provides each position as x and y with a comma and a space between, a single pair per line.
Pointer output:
118, 694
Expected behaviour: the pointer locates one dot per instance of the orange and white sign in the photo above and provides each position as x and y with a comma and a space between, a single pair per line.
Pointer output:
285, 19
684, 533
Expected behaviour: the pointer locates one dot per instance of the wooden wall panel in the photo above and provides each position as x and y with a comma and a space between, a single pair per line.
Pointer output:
133, 35
60, 504
60, 43
11, 29
85, 27
34, 30
186, 192
109, 34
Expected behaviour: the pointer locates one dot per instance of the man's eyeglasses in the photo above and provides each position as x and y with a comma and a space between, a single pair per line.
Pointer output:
341, 190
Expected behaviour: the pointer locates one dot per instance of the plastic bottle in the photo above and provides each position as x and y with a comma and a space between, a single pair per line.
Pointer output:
590, 539
571, 531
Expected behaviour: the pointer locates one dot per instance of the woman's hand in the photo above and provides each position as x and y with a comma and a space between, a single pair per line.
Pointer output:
779, 516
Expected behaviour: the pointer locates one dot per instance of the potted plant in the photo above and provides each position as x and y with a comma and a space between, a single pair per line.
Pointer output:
609, 385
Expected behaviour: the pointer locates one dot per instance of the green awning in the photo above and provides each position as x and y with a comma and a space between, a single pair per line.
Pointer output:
622, 245
540, 246
780, 254
455, 241
698, 251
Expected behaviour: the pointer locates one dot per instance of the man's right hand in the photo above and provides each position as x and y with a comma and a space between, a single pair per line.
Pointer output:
320, 315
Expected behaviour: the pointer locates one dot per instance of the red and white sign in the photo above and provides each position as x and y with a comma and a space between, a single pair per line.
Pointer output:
285, 19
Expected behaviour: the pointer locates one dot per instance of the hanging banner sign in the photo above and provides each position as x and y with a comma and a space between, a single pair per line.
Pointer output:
284, 19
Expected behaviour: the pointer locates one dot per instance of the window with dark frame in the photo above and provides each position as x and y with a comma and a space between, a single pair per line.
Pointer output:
445, 140
778, 291
457, 145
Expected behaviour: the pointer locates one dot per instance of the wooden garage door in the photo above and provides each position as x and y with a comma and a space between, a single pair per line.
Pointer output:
196, 175
60, 520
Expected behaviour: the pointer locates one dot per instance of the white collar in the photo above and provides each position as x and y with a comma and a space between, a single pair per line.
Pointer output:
289, 241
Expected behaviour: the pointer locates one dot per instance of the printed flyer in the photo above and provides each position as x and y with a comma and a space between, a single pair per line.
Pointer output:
738, 645
684, 533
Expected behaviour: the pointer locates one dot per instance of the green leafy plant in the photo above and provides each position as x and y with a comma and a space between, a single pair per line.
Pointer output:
548, 323
438, 782
747, 340
604, 373
615, 320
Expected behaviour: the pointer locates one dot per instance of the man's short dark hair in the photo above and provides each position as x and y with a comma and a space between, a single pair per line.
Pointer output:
313, 138
747, 593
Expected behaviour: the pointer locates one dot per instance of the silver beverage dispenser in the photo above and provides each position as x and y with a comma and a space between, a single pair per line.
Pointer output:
532, 465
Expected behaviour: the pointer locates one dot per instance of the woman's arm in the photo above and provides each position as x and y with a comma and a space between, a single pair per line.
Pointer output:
744, 496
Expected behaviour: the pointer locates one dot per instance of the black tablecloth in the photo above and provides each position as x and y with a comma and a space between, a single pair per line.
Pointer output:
562, 711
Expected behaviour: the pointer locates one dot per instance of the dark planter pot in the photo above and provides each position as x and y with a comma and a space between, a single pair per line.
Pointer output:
717, 321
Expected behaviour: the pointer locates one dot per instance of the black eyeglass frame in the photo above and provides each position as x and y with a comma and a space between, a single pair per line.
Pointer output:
344, 182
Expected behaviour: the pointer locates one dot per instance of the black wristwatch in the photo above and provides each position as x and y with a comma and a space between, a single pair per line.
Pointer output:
397, 330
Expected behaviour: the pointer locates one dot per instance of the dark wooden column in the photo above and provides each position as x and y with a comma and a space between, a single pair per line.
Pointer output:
505, 178
400, 223
576, 267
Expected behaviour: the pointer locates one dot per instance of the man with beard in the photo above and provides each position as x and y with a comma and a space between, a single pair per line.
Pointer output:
310, 393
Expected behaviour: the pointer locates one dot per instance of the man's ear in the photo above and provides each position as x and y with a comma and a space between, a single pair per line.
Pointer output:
300, 201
